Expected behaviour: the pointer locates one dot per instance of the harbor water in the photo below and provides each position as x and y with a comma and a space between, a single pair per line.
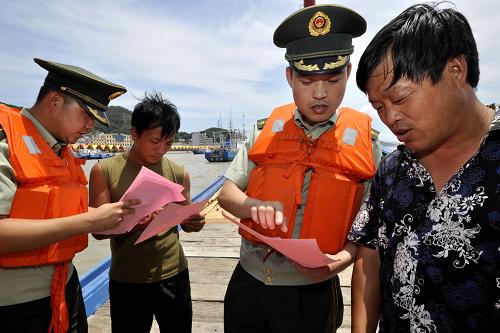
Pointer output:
201, 172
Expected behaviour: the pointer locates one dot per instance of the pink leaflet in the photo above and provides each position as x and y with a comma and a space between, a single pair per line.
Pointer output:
171, 215
304, 252
154, 191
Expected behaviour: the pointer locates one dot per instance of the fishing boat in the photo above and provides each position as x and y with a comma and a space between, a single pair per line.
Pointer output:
227, 150
92, 154
199, 151
222, 154
106, 154
81, 153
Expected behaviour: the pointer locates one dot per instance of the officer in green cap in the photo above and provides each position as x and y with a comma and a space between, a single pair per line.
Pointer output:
44, 213
301, 174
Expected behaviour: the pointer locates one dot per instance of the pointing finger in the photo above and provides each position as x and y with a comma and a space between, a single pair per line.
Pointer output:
254, 214
270, 217
280, 220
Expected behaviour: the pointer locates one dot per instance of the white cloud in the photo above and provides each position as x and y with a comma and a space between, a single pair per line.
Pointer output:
208, 56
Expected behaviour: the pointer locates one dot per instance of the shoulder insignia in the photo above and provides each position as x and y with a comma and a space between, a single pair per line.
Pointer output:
261, 123
375, 134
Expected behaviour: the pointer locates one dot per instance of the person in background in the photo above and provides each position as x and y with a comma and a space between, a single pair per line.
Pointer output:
44, 214
150, 278
301, 174
429, 259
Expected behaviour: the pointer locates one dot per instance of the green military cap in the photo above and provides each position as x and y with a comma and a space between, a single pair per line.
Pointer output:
318, 39
92, 92
261, 123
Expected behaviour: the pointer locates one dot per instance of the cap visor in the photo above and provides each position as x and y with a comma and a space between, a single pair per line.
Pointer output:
98, 115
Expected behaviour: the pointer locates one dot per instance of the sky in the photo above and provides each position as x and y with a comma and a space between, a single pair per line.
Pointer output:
214, 59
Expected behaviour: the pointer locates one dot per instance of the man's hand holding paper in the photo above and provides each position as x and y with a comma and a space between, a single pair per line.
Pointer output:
194, 223
340, 262
302, 251
269, 214
154, 191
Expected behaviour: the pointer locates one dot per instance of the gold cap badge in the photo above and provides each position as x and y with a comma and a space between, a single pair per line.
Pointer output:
319, 24
115, 95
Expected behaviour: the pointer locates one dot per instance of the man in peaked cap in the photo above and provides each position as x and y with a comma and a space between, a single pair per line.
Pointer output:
90, 91
44, 214
301, 174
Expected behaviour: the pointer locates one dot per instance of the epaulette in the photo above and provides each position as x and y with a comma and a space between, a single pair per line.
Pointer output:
261, 123
2, 134
375, 134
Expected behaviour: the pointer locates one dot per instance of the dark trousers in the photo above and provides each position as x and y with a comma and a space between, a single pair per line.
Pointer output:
251, 306
34, 316
134, 304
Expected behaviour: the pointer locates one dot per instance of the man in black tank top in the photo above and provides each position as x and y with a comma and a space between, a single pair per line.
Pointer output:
152, 278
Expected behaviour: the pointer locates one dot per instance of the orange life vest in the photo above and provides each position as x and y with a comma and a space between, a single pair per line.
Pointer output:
341, 159
47, 187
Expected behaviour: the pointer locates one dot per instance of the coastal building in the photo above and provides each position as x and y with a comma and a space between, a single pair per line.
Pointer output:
201, 139
106, 139
109, 139
109, 142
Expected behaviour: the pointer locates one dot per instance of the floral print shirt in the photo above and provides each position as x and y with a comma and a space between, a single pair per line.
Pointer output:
439, 252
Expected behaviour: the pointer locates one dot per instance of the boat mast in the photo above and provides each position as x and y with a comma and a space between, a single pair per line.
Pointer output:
219, 122
244, 133
230, 128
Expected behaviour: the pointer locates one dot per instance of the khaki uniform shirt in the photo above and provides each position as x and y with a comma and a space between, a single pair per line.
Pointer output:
277, 270
23, 284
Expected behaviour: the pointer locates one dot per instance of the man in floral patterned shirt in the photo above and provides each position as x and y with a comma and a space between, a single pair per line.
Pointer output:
429, 234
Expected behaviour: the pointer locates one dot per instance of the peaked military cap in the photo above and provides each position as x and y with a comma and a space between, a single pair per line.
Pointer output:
318, 39
261, 123
92, 92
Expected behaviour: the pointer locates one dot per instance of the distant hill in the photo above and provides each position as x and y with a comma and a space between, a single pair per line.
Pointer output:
209, 131
119, 119
12, 106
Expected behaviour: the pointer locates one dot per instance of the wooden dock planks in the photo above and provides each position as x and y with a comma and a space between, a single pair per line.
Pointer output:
212, 255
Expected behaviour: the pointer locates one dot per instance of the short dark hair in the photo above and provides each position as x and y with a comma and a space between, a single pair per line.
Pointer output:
155, 111
421, 40
45, 90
